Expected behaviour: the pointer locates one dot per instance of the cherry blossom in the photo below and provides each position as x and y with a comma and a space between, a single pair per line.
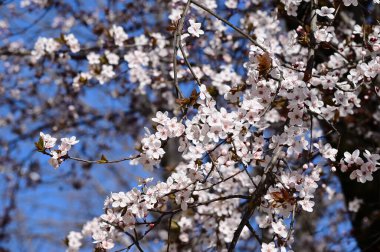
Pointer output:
350, 2
326, 12
48, 141
195, 28
280, 228
270, 247
354, 205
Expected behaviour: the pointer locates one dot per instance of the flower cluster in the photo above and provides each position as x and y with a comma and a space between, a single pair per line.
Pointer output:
152, 144
74, 241
119, 35
47, 142
360, 170
44, 46
72, 42
39, 3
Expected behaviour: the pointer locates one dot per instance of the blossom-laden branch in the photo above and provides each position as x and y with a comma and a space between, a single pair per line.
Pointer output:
47, 142
248, 148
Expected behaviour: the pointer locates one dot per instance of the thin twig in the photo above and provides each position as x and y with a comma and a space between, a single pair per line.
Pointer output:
177, 33
170, 225
249, 226
94, 161
188, 64
244, 34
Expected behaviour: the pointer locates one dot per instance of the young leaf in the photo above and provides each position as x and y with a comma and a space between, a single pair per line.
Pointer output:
40, 145
103, 160
265, 64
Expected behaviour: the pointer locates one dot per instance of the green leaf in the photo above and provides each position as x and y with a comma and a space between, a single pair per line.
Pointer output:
103, 60
174, 225
40, 145
60, 39
103, 160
